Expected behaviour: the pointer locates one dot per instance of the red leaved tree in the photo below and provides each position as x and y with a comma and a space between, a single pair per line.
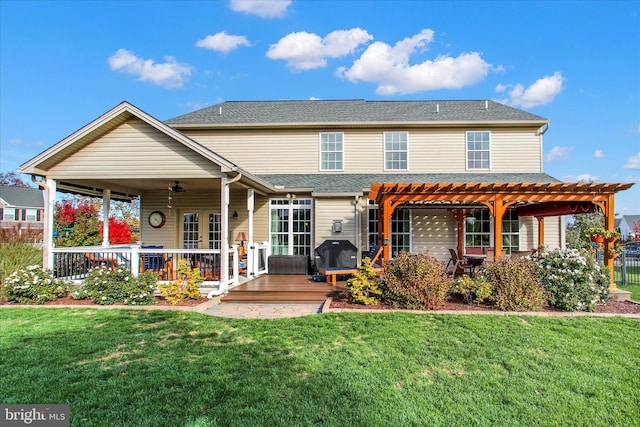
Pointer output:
119, 231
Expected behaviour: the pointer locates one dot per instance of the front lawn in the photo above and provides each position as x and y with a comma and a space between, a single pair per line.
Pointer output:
155, 368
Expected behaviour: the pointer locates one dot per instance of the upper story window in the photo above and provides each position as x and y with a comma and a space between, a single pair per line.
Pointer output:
331, 151
478, 150
31, 215
396, 151
10, 214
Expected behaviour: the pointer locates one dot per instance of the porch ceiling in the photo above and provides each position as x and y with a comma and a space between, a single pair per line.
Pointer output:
126, 189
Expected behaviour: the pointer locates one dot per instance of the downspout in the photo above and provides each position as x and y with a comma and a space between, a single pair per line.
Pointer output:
356, 216
224, 255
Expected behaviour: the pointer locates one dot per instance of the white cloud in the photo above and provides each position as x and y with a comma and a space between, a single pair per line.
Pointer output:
558, 153
307, 51
599, 154
261, 8
633, 162
632, 178
168, 74
389, 67
223, 42
23, 143
583, 177
543, 91
635, 129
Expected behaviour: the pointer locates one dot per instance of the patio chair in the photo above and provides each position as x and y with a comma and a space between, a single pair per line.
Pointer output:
456, 266
159, 263
96, 260
332, 272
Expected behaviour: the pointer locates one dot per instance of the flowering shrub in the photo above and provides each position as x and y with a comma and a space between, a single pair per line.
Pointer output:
185, 286
106, 287
33, 285
416, 282
472, 289
364, 286
572, 278
516, 284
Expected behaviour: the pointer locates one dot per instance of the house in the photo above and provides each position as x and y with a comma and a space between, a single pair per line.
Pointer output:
628, 226
21, 206
419, 176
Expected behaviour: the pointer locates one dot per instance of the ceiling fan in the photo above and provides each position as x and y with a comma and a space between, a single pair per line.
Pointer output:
177, 188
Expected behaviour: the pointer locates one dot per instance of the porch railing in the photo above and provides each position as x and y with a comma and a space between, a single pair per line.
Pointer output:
74, 263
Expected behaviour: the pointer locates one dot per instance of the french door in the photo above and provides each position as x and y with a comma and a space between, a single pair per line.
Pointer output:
201, 230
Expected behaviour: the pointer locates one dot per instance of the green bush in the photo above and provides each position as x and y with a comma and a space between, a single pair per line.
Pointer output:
106, 287
516, 284
185, 286
415, 282
33, 285
572, 278
472, 289
364, 286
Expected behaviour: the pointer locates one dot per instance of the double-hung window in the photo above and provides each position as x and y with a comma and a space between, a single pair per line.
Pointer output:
478, 150
400, 228
331, 151
396, 151
31, 214
10, 214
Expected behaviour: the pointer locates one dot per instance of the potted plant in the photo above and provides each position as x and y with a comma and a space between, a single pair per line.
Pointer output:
598, 234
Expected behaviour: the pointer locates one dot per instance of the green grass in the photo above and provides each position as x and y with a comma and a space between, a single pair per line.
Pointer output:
169, 368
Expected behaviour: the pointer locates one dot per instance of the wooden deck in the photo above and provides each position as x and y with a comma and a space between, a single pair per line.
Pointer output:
281, 289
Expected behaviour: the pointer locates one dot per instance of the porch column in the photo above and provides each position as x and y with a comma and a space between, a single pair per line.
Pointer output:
460, 216
540, 232
250, 248
49, 208
224, 232
106, 209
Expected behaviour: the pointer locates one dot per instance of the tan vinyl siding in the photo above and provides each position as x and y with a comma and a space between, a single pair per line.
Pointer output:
328, 210
430, 150
434, 231
135, 150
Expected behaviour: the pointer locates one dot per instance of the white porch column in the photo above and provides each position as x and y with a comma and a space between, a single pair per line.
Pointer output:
224, 232
106, 208
250, 248
49, 208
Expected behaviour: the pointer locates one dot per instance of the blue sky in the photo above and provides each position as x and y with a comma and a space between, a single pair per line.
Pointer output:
63, 64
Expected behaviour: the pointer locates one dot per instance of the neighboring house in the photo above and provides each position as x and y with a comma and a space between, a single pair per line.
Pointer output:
420, 176
628, 226
21, 205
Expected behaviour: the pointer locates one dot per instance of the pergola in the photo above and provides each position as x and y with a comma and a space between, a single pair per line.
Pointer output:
538, 199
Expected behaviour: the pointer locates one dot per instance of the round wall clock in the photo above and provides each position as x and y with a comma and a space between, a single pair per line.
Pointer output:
157, 219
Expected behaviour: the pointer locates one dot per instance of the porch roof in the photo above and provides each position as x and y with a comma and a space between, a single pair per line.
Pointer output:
338, 183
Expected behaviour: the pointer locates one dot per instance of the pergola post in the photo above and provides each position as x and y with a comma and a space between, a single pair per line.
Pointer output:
540, 232
609, 225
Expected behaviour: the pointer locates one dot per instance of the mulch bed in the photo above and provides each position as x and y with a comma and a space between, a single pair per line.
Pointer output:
613, 307
84, 302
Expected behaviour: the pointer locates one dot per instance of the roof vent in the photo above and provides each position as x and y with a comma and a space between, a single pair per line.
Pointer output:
437, 108
486, 105
220, 111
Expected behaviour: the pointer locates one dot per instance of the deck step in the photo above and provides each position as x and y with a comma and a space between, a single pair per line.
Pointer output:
281, 289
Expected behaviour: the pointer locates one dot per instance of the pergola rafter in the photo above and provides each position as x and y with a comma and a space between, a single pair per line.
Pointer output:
497, 197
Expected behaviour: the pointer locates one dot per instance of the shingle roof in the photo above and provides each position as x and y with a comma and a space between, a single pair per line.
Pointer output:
22, 197
353, 111
355, 183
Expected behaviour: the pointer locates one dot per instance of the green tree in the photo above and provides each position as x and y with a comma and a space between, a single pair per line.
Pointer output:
576, 238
